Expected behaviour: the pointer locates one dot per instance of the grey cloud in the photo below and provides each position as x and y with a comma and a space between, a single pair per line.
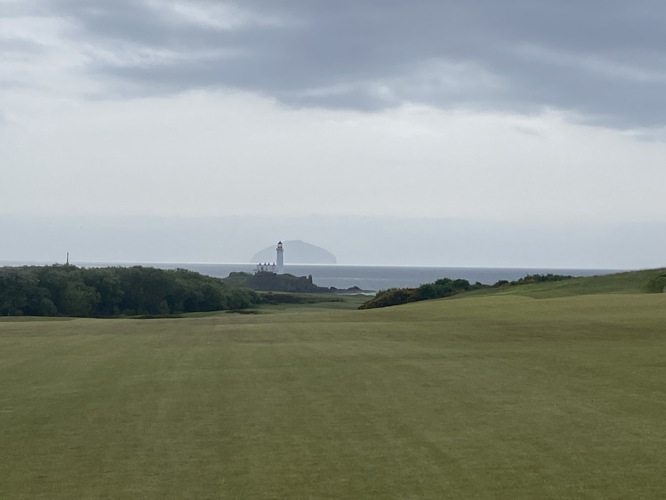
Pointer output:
601, 59
15, 47
120, 20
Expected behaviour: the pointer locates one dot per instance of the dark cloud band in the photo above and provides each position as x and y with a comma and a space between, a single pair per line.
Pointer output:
603, 60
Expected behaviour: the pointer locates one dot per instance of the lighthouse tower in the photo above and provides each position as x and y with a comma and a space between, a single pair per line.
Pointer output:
280, 258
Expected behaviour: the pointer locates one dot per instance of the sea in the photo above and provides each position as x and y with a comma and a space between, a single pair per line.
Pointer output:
367, 278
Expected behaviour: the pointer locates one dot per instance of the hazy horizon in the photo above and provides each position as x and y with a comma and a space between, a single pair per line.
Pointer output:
354, 241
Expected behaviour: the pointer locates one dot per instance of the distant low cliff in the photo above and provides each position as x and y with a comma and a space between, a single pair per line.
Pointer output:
271, 282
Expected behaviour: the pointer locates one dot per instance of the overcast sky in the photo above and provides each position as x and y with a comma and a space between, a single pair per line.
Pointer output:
478, 133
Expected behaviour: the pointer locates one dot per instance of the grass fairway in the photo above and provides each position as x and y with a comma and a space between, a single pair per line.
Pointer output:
479, 397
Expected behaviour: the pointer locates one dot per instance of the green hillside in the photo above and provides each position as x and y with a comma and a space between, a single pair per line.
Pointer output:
537, 286
645, 281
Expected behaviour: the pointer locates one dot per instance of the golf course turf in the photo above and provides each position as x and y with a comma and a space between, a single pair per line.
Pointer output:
489, 396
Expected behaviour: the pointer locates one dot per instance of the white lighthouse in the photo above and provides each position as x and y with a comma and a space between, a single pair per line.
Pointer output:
280, 258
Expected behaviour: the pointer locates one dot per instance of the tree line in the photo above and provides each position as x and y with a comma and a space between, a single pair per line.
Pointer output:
66, 290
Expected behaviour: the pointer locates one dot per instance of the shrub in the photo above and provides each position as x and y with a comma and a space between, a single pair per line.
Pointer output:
657, 284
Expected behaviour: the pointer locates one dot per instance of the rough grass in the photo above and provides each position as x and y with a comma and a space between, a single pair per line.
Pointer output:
479, 397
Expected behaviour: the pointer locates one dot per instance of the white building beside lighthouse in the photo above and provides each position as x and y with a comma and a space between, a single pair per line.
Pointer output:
273, 267
280, 258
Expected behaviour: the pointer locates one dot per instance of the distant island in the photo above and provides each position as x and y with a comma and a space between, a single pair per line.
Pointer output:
297, 252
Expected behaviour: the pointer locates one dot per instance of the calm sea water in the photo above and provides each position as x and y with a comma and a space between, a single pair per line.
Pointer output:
370, 277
